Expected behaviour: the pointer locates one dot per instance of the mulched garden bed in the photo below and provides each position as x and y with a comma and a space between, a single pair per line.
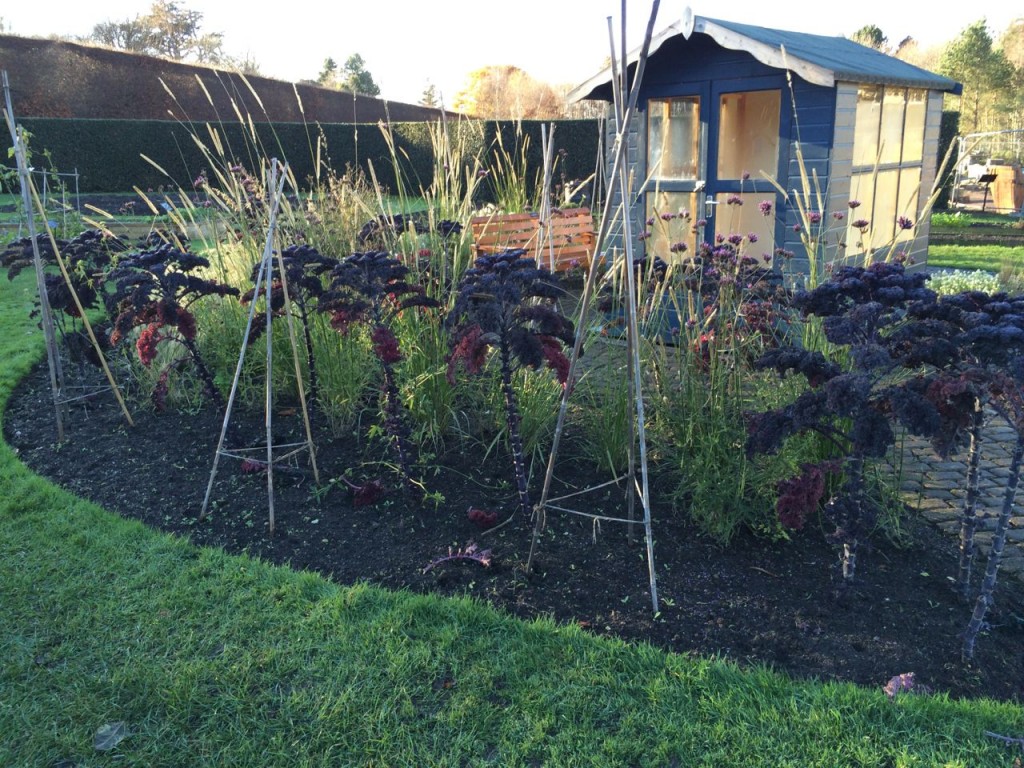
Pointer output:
755, 601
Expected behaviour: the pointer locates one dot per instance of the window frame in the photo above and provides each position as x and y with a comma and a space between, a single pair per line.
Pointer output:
882, 229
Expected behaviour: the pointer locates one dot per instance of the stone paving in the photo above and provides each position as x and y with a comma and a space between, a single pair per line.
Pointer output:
937, 488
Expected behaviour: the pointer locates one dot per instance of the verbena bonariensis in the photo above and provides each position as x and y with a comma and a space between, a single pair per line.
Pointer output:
304, 270
850, 406
371, 289
155, 288
505, 302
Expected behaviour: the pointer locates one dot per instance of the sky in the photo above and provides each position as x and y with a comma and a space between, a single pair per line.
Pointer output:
410, 44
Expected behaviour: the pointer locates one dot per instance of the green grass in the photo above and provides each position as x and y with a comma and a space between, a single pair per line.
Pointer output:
217, 660
992, 258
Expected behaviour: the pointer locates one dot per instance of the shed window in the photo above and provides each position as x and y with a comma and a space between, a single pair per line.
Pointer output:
674, 137
748, 133
888, 148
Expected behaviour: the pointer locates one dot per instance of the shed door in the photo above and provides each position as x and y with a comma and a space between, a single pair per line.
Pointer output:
743, 146
705, 154
676, 160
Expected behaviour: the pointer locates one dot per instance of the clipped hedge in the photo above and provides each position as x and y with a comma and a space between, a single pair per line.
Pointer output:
949, 130
108, 154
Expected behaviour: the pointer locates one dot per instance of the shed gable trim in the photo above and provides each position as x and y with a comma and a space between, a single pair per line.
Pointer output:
817, 59
769, 55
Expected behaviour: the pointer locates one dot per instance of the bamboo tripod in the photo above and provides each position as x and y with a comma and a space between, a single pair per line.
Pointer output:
278, 176
33, 205
636, 487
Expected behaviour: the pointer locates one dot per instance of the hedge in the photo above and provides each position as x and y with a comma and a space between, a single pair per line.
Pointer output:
108, 154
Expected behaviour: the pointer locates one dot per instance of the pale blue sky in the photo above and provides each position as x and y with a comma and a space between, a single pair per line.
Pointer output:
407, 43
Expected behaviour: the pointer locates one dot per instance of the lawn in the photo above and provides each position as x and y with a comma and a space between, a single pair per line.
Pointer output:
202, 658
987, 257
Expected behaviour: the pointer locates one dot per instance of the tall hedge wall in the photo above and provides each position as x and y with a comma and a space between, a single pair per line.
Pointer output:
108, 154
948, 132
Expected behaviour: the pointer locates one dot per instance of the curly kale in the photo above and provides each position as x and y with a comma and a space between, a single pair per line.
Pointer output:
156, 289
304, 271
371, 289
505, 302
87, 258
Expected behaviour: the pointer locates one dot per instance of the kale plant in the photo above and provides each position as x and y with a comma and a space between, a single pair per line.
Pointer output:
508, 304
155, 289
971, 338
471, 552
859, 308
371, 289
87, 259
1007, 390
304, 268
983, 337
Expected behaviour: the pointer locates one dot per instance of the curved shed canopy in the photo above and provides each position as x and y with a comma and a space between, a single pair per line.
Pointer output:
818, 59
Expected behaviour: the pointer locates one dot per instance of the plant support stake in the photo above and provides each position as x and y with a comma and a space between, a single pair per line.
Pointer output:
52, 356
33, 204
278, 177
618, 161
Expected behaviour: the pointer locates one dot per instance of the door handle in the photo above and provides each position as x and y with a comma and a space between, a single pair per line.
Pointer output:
709, 207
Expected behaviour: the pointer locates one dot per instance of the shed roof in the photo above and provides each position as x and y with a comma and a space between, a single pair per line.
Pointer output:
819, 59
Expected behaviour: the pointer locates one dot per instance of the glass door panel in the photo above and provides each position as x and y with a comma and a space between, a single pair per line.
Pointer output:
670, 217
747, 129
748, 134
740, 214
673, 138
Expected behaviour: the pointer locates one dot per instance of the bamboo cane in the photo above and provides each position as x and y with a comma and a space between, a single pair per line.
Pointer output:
603, 230
261, 275
298, 368
28, 191
547, 142
268, 411
52, 354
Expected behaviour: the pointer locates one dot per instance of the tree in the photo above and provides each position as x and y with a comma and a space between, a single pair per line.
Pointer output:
352, 77
430, 97
503, 92
356, 79
910, 51
246, 64
1011, 43
169, 29
871, 36
987, 78
328, 76
128, 35
174, 30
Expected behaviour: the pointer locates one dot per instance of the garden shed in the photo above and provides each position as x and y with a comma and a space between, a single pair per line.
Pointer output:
717, 114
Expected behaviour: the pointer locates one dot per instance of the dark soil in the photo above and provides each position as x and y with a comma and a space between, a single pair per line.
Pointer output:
1003, 239
755, 601
978, 234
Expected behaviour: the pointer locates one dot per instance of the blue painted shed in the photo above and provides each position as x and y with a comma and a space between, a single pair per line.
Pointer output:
717, 114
